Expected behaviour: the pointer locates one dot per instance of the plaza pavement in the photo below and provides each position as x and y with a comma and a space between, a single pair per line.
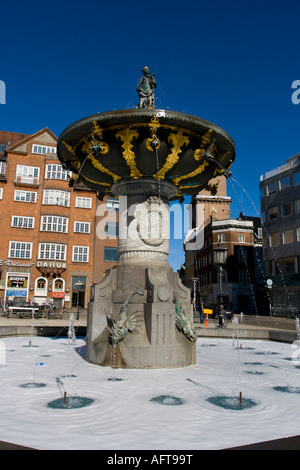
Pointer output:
251, 327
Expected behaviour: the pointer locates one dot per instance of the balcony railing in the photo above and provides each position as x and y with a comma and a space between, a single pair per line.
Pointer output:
21, 180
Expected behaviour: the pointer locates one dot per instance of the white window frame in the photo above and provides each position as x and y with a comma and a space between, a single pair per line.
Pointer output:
52, 251
17, 248
2, 168
22, 222
38, 291
54, 223
1, 193
27, 170
83, 202
112, 205
27, 174
63, 284
25, 196
221, 237
56, 197
82, 227
242, 238
80, 254
55, 171
42, 149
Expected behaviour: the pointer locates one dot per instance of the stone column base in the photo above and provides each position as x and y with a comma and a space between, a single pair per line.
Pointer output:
142, 333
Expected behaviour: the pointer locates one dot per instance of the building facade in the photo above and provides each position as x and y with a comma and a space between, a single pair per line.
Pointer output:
48, 243
280, 214
243, 276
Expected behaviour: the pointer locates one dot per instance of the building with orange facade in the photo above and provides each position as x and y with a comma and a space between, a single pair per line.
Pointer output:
48, 248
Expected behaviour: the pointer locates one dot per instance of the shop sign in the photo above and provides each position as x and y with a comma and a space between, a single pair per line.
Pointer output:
16, 293
17, 285
51, 264
17, 281
78, 283
16, 263
58, 295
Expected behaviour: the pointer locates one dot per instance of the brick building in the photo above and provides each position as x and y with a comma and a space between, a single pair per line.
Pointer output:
243, 272
48, 248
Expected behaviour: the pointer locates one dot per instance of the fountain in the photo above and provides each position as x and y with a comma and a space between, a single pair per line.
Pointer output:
146, 157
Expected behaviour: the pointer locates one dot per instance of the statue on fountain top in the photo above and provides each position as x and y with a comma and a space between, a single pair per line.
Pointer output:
145, 89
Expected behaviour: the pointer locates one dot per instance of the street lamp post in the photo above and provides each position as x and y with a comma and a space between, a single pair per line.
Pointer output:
195, 279
270, 286
78, 283
220, 261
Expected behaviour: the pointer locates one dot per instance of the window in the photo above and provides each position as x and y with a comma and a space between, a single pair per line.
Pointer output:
242, 238
112, 229
27, 174
42, 150
273, 213
284, 183
261, 193
242, 255
58, 285
288, 237
259, 233
243, 276
53, 223
286, 209
272, 188
298, 234
56, 197
275, 239
20, 250
112, 204
80, 254
22, 222
52, 251
25, 196
297, 179
2, 168
110, 253
1, 193
82, 227
41, 287
221, 237
56, 172
84, 202
285, 266
297, 206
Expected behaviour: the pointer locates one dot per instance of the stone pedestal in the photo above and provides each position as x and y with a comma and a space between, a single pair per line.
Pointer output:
140, 315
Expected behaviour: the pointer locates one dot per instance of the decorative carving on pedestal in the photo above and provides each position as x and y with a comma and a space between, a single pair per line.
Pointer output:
125, 323
184, 324
152, 221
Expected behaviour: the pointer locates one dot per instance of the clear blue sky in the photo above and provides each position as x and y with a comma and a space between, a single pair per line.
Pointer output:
231, 62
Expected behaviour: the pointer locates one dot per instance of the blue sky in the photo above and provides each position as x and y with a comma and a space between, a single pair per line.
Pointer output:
230, 62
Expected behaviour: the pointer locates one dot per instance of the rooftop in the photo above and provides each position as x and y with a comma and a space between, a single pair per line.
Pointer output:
290, 162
